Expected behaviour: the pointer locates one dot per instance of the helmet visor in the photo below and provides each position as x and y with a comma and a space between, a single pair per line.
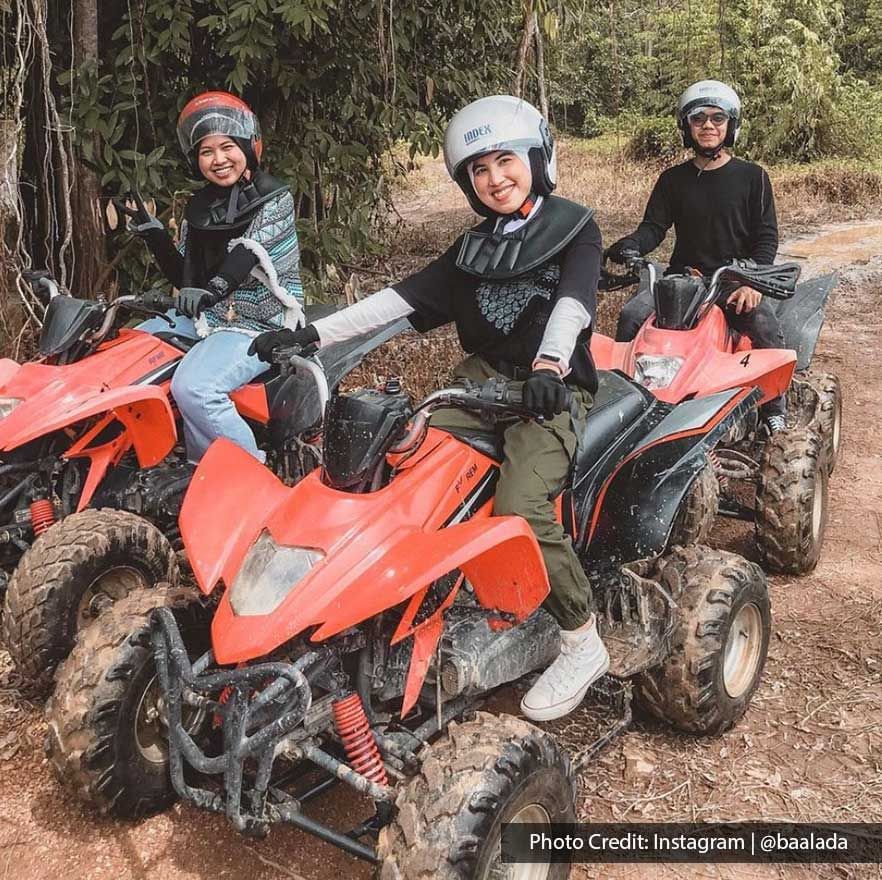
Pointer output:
700, 115
208, 121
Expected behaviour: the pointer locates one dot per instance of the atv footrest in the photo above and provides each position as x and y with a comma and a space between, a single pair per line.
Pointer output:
602, 716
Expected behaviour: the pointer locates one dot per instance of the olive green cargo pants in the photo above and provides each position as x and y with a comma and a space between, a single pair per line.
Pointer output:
537, 461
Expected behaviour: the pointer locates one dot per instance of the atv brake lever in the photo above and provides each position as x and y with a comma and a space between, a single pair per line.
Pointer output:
610, 282
147, 310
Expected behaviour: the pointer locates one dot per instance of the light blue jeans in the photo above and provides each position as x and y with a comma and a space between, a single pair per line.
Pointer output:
202, 383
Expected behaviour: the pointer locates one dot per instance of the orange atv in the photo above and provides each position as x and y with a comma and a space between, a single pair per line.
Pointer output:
343, 624
686, 349
89, 425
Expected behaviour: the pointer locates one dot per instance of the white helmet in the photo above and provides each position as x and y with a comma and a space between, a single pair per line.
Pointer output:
710, 93
499, 122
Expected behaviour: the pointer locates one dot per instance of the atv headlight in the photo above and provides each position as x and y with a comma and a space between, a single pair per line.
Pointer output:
268, 575
656, 370
7, 405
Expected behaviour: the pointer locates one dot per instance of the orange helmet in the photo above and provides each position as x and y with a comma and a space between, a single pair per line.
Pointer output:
219, 113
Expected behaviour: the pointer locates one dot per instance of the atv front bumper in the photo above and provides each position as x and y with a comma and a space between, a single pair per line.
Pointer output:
258, 707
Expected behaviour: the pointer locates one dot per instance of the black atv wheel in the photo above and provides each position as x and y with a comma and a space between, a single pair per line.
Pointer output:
719, 645
791, 502
482, 773
828, 413
73, 572
695, 518
107, 738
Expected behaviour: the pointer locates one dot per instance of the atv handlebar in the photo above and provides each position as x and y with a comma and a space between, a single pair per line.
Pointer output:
154, 302
495, 399
43, 285
776, 281
293, 357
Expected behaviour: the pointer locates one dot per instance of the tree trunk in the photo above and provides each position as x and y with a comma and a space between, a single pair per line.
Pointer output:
8, 182
524, 50
9, 221
540, 67
88, 231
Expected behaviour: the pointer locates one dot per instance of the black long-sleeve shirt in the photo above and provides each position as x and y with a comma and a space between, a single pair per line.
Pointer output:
720, 215
209, 254
505, 320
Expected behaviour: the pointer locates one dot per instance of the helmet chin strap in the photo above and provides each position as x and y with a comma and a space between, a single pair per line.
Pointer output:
524, 211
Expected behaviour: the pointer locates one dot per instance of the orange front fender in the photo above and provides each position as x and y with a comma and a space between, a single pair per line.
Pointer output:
499, 555
144, 410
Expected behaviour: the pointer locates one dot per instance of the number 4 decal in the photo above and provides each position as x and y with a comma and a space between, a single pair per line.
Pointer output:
745, 360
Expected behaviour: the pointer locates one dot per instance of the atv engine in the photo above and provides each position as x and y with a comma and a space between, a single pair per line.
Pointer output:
155, 493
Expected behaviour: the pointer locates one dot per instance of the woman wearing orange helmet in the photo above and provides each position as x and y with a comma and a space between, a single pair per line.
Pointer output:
237, 266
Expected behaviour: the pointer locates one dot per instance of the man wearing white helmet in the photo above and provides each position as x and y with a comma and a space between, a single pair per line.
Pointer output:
721, 208
521, 289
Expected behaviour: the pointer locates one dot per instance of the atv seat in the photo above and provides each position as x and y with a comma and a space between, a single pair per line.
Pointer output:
487, 442
182, 343
618, 403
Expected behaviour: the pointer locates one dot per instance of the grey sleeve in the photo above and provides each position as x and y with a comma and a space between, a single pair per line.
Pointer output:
374, 311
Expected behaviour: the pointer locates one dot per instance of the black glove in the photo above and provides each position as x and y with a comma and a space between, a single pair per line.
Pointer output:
192, 300
545, 393
622, 251
139, 221
264, 345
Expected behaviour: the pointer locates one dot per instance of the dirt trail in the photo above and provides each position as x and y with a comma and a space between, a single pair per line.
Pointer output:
809, 748
835, 247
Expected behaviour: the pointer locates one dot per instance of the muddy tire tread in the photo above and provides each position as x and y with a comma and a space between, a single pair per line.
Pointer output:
448, 808
82, 714
830, 396
681, 691
37, 630
783, 513
695, 518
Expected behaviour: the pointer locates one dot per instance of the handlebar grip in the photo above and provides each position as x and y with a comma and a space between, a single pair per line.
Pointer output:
281, 356
156, 299
513, 396
34, 275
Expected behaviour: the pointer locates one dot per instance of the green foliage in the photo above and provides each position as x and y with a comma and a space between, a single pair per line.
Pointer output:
336, 86
807, 71
656, 137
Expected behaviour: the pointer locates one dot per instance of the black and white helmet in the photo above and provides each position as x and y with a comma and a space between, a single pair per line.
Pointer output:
500, 122
710, 93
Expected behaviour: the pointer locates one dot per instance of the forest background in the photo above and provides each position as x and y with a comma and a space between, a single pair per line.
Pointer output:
351, 92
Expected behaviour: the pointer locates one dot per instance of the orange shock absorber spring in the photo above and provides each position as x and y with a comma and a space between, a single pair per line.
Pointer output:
42, 515
358, 739
715, 463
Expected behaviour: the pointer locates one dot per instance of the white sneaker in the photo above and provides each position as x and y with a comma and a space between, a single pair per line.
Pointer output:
582, 660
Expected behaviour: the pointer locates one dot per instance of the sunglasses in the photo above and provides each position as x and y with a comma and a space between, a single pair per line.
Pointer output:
700, 117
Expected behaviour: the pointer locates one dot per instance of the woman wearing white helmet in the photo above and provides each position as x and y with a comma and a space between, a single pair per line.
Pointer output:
721, 208
521, 289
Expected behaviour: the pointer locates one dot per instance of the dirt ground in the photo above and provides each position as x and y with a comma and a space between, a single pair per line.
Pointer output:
809, 748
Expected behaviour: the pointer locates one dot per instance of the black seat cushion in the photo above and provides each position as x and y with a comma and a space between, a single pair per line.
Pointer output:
487, 443
617, 405
182, 343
